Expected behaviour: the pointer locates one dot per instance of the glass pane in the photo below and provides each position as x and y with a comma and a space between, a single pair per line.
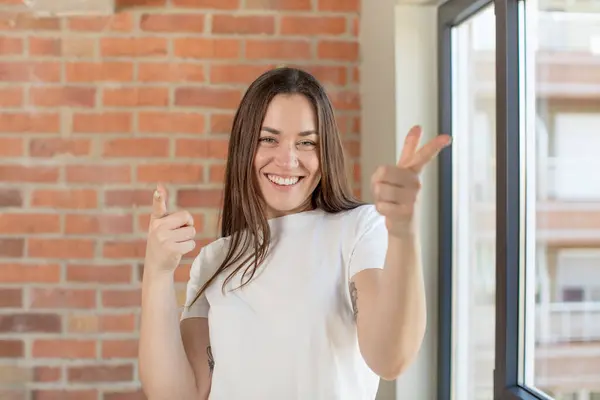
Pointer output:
474, 206
563, 126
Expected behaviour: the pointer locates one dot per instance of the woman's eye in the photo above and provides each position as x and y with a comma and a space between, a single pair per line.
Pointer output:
307, 143
267, 140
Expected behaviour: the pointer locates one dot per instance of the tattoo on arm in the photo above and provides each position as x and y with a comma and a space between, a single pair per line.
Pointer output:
211, 360
354, 297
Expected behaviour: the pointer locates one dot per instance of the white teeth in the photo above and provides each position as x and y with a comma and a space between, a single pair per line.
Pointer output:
283, 181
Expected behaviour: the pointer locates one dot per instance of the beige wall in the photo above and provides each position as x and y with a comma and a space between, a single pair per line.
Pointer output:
398, 89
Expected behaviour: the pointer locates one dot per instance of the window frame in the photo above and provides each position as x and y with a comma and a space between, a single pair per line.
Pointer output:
509, 238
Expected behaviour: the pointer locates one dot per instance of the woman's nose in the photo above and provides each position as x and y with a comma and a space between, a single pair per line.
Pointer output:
287, 156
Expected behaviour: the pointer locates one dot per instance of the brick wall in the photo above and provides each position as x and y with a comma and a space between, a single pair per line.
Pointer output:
93, 112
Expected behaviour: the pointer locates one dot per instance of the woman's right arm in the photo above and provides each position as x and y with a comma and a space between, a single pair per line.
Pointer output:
173, 363
165, 366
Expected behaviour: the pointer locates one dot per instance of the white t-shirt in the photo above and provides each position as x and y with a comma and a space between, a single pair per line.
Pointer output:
290, 333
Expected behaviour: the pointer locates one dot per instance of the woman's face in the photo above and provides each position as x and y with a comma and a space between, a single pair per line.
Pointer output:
287, 157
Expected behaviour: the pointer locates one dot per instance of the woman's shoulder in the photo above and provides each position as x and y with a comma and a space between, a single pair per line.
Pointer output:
363, 213
211, 254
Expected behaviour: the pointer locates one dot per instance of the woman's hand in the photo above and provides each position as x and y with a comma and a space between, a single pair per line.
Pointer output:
396, 188
170, 236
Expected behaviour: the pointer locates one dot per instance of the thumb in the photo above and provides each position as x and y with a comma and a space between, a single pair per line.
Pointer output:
159, 202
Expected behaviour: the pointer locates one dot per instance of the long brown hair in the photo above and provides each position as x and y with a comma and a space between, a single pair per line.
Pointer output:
243, 214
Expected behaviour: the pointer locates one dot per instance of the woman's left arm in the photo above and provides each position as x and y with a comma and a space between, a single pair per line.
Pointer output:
389, 303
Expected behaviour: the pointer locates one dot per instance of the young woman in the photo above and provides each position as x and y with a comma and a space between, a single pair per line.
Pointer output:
308, 294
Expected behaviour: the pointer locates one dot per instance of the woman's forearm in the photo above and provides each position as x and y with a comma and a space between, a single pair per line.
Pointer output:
165, 371
400, 320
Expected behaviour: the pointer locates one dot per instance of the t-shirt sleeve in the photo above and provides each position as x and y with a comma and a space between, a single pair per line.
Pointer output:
197, 279
370, 242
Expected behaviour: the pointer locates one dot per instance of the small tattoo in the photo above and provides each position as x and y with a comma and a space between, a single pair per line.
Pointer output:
354, 297
211, 360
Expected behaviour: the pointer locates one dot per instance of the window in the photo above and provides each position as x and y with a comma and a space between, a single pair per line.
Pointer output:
520, 200
473, 105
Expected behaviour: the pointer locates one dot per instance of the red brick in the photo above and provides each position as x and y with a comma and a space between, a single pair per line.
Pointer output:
124, 249
193, 23
12, 348
355, 26
338, 50
352, 148
98, 373
99, 273
30, 323
339, 5
21, 71
27, 21
128, 198
345, 100
280, 5
14, 224
216, 173
243, 24
312, 25
207, 97
119, 22
206, 149
125, 4
121, 298
138, 147
105, 224
22, 173
170, 72
98, 71
125, 395
62, 298
58, 146
62, 96
106, 122
64, 394
11, 298
61, 248
206, 48
221, 123
278, 49
93, 323
10, 46
170, 122
11, 147
135, 97
38, 122
65, 199
195, 198
133, 47
64, 348
10, 197
239, 73
44, 46
47, 374
30, 273
171, 173
11, 247
119, 349
217, 4
11, 96
98, 173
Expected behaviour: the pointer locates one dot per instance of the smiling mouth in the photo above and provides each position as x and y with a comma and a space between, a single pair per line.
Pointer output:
284, 180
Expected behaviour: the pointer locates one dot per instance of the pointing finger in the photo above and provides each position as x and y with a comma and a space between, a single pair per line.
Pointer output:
411, 142
429, 151
159, 202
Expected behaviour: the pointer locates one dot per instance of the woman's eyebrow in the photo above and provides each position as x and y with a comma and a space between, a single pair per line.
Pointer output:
277, 132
